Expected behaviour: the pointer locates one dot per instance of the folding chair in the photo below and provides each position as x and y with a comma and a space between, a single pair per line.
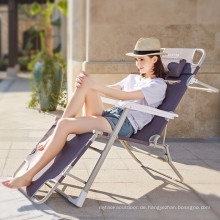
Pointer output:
181, 74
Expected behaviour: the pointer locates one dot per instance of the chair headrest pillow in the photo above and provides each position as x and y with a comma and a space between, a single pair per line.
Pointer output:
172, 67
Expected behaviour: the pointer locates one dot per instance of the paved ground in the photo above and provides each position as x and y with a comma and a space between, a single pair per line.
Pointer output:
122, 189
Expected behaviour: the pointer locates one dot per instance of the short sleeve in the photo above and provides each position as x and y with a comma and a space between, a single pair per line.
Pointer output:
154, 92
123, 82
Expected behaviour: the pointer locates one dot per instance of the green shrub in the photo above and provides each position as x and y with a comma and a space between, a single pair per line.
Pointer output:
3, 64
23, 62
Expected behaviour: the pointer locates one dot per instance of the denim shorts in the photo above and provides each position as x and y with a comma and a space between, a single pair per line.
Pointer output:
113, 115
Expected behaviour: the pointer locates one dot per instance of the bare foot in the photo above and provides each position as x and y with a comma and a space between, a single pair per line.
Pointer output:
42, 145
17, 182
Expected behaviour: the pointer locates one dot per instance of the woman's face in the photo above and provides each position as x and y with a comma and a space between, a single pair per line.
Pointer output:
145, 65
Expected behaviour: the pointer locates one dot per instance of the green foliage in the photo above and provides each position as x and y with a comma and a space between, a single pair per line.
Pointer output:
48, 10
48, 79
62, 6
3, 64
35, 8
23, 62
24, 9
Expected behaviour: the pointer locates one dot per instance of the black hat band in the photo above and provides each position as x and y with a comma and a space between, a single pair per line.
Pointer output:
142, 52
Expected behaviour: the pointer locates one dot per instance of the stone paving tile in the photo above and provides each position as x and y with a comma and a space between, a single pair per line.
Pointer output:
138, 209
184, 212
90, 154
214, 164
21, 154
4, 145
3, 153
176, 154
23, 145
20, 139
70, 182
2, 164
210, 194
217, 142
67, 210
214, 206
123, 154
201, 175
15, 132
35, 134
113, 154
11, 165
185, 164
123, 192
122, 176
23, 133
207, 191
191, 174
204, 150
109, 164
175, 203
180, 164
131, 164
182, 154
80, 165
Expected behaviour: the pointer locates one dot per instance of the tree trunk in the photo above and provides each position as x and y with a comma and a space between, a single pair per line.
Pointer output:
49, 40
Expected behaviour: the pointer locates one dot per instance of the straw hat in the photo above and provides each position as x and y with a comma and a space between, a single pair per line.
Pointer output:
147, 46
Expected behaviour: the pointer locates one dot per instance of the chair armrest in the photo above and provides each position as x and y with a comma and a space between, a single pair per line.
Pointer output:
142, 108
109, 101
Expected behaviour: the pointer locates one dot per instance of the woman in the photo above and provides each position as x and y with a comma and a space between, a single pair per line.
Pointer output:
148, 88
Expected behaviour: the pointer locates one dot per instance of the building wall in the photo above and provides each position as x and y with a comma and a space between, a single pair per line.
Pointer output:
103, 31
4, 30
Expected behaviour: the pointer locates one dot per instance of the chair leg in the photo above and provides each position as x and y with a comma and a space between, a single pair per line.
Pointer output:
53, 188
81, 198
168, 159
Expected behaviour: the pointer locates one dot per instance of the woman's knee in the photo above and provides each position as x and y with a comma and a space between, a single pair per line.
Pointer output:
82, 89
62, 124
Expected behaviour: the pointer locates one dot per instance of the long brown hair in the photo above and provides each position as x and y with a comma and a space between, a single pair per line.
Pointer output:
158, 67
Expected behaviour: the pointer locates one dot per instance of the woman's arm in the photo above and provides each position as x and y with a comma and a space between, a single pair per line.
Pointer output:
115, 86
110, 91
118, 94
81, 76
113, 91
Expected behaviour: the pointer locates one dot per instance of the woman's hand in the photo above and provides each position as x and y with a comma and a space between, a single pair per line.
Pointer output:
88, 82
79, 79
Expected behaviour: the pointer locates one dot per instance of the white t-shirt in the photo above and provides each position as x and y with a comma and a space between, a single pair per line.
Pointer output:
154, 91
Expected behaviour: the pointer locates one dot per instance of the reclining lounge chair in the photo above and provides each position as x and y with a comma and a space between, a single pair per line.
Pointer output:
181, 74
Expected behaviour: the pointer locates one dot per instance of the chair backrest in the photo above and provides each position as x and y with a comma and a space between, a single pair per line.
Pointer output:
179, 67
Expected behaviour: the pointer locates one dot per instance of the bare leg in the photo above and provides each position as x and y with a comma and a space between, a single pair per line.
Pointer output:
43, 144
93, 105
65, 126
91, 99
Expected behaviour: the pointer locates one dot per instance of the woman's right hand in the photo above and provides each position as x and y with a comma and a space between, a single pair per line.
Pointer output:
79, 79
